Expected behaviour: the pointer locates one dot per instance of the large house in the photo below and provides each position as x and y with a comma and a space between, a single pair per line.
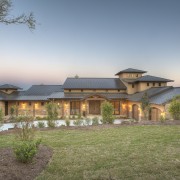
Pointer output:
85, 95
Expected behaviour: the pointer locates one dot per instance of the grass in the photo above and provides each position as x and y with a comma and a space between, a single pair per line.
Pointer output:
127, 152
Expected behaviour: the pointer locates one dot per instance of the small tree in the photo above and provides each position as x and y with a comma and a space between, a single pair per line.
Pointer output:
13, 111
107, 112
145, 105
52, 111
174, 108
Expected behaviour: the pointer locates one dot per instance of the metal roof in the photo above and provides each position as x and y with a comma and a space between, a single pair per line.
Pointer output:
34, 93
8, 86
43, 90
131, 70
149, 78
81, 96
166, 96
94, 83
150, 92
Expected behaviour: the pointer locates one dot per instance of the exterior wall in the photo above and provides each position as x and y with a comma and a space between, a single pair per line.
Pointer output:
130, 75
143, 86
94, 91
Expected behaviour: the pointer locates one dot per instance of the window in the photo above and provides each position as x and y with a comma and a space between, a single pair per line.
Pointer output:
42, 103
118, 90
106, 90
29, 103
132, 85
154, 84
94, 90
69, 90
81, 90
137, 75
116, 106
147, 84
159, 84
74, 107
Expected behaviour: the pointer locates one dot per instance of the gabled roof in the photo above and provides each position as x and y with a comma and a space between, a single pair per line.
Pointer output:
43, 90
149, 78
82, 96
131, 70
166, 96
150, 92
34, 93
94, 83
9, 86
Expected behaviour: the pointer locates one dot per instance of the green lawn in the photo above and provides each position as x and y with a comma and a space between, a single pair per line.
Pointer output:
127, 152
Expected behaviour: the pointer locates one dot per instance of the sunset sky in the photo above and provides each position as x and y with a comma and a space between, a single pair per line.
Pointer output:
91, 38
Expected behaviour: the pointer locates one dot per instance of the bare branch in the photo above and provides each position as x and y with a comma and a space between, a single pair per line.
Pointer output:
5, 6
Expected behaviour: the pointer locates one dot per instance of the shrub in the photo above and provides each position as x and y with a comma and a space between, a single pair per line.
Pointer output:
41, 125
24, 118
174, 109
51, 123
67, 121
26, 132
87, 121
95, 121
78, 122
145, 106
51, 108
25, 151
107, 112
13, 111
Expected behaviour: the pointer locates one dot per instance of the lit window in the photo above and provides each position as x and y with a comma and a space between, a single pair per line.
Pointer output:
116, 106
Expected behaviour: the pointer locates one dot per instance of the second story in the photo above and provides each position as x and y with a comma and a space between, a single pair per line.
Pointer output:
136, 81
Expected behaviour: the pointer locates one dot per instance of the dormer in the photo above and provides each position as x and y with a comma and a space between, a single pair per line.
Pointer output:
130, 73
8, 88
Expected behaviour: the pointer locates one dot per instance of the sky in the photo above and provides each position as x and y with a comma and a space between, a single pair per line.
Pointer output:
91, 38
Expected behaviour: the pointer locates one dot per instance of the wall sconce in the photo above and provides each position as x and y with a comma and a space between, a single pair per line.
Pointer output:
83, 107
23, 105
36, 105
130, 107
163, 114
124, 106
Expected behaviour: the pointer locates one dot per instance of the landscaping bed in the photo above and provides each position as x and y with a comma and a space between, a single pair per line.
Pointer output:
10, 168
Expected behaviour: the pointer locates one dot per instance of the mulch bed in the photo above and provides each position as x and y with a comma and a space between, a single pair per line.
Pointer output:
11, 169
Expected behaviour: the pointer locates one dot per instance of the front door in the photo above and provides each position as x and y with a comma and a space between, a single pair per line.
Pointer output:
94, 107
6, 108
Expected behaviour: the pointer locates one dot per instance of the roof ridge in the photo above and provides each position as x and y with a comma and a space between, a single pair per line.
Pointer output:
90, 78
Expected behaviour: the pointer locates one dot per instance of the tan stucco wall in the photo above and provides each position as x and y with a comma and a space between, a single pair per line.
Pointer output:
94, 91
143, 86
130, 75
